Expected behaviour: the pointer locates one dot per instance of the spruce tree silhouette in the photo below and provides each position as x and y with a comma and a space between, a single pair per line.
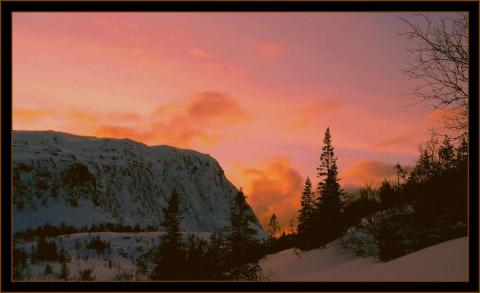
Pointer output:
306, 215
274, 226
329, 222
241, 242
169, 258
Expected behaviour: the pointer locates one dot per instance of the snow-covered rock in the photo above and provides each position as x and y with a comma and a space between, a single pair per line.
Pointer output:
78, 180
447, 261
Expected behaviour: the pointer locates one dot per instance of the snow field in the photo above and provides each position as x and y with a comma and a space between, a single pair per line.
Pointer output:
444, 262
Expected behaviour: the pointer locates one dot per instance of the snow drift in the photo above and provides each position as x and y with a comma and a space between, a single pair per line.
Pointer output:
444, 262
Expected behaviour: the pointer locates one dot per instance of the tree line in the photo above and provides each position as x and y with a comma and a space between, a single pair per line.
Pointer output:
424, 205
428, 203
230, 254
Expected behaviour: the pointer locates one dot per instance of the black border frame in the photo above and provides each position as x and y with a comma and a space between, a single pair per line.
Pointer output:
8, 7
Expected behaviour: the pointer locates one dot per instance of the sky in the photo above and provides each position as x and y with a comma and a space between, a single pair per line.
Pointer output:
254, 90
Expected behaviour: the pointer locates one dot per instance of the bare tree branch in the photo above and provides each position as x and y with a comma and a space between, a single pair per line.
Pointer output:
440, 65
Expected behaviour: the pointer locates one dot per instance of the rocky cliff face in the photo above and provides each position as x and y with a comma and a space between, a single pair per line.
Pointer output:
80, 181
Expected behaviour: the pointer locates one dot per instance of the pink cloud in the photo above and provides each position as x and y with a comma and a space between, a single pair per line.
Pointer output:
363, 172
271, 49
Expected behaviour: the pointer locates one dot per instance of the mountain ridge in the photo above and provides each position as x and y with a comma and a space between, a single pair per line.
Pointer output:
84, 180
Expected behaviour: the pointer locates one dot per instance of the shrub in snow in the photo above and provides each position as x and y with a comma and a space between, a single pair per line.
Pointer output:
122, 274
368, 236
98, 244
361, 239
48, 269
86, 274
45, 250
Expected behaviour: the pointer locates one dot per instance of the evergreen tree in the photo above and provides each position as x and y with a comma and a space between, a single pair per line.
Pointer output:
291, 226
461, 157
428, 165
462, 151
48, 269
216, 257
401, 173
446, 154
306, 213
461, 176
171, 221
274, 226
241, 242
170, 256
328, 205
195, 265
386, 193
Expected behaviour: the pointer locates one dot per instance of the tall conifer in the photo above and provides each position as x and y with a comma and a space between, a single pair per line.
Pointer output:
241, 241
170, 256
306, 213
328, 220
274, 226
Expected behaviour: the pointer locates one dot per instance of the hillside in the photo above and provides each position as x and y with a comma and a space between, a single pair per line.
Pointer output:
447, 261
80, 181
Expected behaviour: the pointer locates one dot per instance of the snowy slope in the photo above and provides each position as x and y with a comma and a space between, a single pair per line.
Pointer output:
59, 177
122, 256
447, 261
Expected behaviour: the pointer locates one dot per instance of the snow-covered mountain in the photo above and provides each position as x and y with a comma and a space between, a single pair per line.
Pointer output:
78, 180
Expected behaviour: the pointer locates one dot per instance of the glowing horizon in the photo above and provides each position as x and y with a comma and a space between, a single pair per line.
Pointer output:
255, 91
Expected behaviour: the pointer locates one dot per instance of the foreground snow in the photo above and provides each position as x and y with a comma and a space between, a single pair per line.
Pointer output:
119, 262
447, 261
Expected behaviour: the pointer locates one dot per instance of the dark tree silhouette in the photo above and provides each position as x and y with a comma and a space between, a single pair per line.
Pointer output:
446, 155
241, 242
401, 173
170, 256
306, 214
329, 219
274, 226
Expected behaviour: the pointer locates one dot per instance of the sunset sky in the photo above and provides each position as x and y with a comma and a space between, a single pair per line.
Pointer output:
254, 90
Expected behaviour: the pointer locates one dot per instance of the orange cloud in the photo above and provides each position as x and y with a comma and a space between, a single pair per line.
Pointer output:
204, 108
363, 172
27, 115
124, 116
180, 132
159, 134
82, 115
271, 49
201, 118
32, 115
189, 122
198, 119
215, 107
198, 53
274, 186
